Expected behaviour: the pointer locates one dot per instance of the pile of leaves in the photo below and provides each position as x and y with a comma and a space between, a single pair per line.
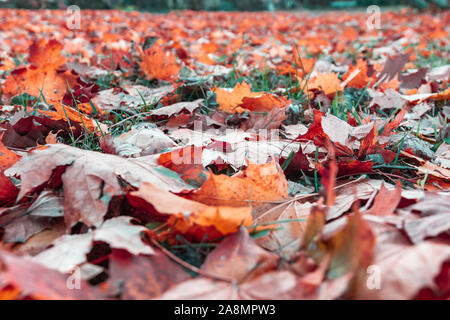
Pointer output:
219, 156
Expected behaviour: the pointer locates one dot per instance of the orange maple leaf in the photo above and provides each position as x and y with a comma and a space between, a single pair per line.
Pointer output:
257, 184
329, 83
186, 162
242, 98
8, 191
157, 64
7, 157
192, 218
356, 76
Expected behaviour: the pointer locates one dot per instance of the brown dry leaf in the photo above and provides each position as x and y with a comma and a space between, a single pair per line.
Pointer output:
22, 228
389, 99
328, 175
278, 285
413, 80
393, 66
240, 258
177, 108
431, 203
237, 150
419, 229
90, 178
273, 285
432, 220
345, 197
70, 251
428, 168
257, 183
142, 277
32, 280
67, 252
311, 239
271, 120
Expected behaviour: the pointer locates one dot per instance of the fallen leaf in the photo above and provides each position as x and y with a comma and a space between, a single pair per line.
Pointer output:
257, 183
293, 215
89, 177
201, 289
399, 262
386, 200
117, 232
129, 97
393, 66
152, 275
192, 218
32, 280
139, 141
43, 75
243, 99
158, 64
328, 83
239, 257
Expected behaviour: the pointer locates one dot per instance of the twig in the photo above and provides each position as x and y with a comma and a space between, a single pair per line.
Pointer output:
191, 267
369, 202
394, 175
304, 196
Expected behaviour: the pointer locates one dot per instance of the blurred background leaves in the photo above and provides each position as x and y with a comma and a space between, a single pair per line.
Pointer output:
224, 5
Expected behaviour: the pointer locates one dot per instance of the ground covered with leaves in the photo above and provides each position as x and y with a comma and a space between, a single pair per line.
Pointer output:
224, 156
